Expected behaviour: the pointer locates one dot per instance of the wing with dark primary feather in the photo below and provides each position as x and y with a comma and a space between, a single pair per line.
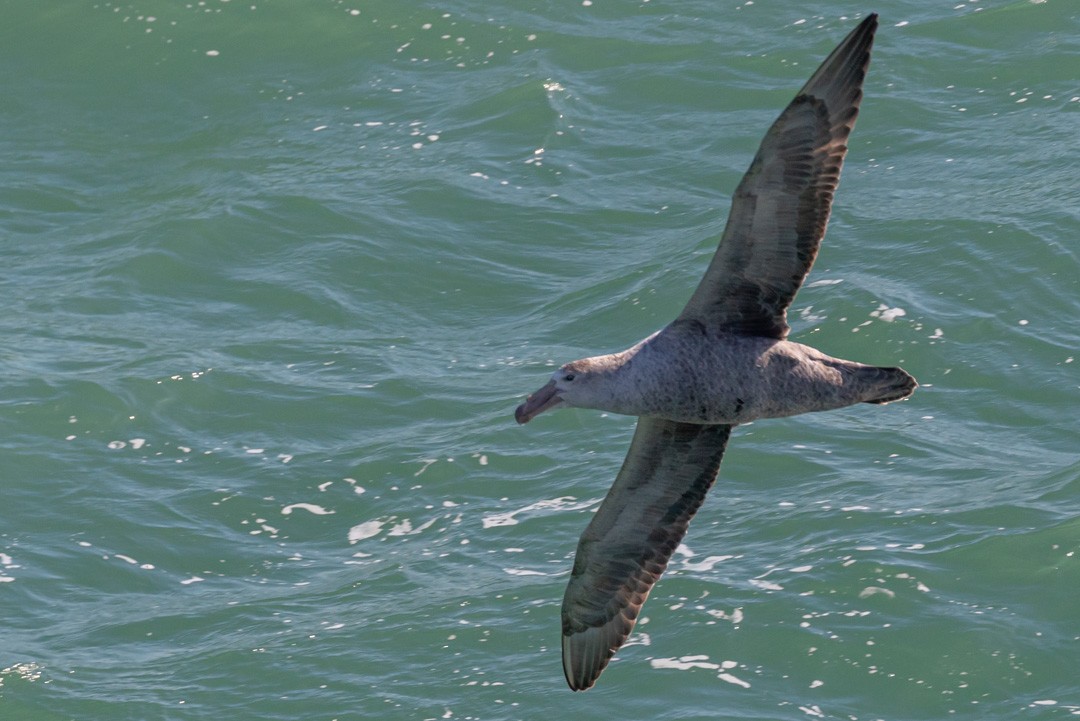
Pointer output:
781, 207
625, 549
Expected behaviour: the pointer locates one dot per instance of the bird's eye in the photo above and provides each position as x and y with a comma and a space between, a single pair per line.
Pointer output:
568, 377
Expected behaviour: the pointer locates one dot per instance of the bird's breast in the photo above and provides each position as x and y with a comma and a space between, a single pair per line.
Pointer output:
693, 378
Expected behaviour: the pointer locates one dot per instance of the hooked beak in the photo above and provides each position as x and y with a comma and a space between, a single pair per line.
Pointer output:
537, 403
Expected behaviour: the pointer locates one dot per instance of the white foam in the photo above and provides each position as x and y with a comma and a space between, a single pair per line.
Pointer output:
563, 503
524, 572
707, 564
875, 590
736, 616
364, 530
309, 507
888, 314
684, 663
733, 679
405, 528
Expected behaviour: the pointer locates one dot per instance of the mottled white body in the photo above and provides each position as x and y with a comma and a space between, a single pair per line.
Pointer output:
686, 373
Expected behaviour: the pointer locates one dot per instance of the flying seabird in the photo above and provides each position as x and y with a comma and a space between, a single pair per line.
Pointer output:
724, 361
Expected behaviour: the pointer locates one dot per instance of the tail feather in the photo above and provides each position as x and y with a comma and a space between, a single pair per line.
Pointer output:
892, 384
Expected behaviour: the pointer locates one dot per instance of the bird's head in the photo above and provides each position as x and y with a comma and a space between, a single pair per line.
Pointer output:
580, 383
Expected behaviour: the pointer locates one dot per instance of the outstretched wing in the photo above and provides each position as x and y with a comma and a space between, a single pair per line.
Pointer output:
668, 470
781, 207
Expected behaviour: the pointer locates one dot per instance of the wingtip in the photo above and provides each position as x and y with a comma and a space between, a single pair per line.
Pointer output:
580, 676
869, 25
838, 80
585, 656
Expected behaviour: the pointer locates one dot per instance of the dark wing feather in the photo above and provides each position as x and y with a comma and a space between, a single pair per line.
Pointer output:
668, 470
781, 207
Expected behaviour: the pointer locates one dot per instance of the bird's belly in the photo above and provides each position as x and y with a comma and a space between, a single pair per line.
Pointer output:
735, 379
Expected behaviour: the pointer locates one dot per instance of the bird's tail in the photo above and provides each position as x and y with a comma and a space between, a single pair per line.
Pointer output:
889, 384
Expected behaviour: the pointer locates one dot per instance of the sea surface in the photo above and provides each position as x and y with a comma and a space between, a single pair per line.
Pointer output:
275, 274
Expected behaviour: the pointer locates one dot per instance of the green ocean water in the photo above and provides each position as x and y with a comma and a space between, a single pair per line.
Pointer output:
275, 275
